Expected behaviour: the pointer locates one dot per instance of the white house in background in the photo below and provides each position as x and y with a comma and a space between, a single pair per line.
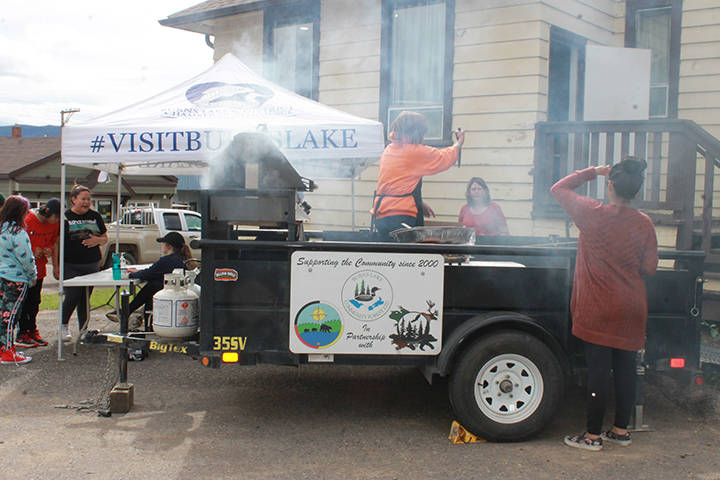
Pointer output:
495, 68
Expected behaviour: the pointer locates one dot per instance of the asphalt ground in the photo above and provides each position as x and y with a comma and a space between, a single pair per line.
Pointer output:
313, 422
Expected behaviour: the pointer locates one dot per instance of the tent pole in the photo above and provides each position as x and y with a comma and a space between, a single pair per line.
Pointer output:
352, 195
119, 210
61, 257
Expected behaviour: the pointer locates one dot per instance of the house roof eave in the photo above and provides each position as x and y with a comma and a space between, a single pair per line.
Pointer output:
35, 164
194, 21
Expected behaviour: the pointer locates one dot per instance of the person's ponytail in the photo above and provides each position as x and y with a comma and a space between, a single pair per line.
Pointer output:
185, 252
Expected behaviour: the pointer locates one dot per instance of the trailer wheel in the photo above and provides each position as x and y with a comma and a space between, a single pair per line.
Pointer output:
506, 386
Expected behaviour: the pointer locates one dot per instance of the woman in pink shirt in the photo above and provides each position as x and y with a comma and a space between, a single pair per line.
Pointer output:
480, 212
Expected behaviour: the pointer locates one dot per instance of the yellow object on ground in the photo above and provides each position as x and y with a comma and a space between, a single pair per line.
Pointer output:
458, 434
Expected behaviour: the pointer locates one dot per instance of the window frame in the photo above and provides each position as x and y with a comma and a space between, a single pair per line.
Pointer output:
96, 206
544, 205
304, 11
386, 61
631, 11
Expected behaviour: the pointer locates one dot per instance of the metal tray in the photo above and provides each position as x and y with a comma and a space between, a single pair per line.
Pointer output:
446, 235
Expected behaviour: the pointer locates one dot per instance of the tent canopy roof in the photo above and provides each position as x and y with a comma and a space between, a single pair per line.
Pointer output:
181, 130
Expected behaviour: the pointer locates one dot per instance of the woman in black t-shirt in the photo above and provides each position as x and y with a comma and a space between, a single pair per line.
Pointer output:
84, 233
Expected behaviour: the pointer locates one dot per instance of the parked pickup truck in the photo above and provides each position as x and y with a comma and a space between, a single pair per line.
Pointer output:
141, 226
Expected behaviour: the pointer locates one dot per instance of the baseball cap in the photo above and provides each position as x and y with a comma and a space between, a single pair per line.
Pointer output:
53, 206
174, 239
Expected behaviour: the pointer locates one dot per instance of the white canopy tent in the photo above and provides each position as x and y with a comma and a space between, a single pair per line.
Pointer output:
181, 130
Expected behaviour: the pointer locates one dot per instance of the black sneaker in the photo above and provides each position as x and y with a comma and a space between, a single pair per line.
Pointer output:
25, 340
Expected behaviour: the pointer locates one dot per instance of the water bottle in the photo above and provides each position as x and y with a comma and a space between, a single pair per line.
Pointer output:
116, 272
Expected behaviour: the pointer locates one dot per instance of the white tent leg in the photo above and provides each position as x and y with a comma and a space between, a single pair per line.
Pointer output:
61, 257
352, 197
119, 210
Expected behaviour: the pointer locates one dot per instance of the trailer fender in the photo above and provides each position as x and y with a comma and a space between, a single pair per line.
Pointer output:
474, 327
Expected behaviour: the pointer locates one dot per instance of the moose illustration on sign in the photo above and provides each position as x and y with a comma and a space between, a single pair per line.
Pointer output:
413, 327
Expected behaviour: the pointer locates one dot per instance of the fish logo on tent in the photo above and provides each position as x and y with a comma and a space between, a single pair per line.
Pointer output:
221, 94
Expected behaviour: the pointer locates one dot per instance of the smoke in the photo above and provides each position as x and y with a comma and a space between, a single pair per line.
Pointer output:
251, 160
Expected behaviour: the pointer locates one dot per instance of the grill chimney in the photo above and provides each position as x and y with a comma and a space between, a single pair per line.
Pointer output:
16, 132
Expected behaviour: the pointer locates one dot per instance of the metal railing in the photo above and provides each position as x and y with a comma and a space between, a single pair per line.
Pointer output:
671, 149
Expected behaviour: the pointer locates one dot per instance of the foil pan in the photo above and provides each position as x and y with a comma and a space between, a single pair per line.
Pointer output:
442, 235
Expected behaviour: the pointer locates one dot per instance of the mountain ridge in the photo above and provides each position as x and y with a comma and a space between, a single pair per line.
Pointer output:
32, 131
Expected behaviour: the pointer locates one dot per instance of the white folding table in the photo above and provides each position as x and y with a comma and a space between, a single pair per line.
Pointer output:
103, 278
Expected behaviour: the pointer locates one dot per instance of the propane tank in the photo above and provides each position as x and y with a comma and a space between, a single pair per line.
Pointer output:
190, 277
175, 308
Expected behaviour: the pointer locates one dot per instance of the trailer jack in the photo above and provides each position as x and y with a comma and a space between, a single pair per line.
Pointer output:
637, 423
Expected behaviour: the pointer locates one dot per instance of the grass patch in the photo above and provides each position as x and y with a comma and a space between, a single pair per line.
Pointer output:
100, 296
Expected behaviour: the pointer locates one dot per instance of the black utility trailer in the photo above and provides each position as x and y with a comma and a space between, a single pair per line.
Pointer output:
506, 342
494, 318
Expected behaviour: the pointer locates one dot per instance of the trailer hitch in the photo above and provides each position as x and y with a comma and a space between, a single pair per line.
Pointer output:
135, 340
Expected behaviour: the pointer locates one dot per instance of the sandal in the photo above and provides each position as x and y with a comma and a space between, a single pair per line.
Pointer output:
613, 437
584, 442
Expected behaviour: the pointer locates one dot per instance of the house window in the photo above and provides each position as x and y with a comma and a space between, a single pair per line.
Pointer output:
291, 47
655, 25
653, 32
417, 56
105, 209
566, 90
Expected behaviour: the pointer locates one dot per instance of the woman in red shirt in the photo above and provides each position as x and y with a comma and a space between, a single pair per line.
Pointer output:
480, 212
617, 246
404, 162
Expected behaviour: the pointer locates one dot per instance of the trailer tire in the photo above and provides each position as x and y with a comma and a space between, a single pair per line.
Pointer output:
506, 386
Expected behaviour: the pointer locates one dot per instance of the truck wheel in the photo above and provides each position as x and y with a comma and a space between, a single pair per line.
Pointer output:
130, 258
506, 386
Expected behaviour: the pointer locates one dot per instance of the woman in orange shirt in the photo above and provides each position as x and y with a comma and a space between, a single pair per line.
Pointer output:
398, 197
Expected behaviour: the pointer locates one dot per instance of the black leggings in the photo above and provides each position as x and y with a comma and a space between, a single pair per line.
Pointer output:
30, 309
600, 360
144, 298
77, 297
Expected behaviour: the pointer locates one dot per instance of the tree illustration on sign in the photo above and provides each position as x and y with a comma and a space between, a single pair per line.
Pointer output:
413, 327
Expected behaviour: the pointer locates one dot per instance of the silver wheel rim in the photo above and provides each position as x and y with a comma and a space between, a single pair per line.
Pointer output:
508, 388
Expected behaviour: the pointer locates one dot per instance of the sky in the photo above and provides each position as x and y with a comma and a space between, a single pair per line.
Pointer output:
94, 55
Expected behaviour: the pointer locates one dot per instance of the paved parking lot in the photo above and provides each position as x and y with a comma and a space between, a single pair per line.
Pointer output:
315, 422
